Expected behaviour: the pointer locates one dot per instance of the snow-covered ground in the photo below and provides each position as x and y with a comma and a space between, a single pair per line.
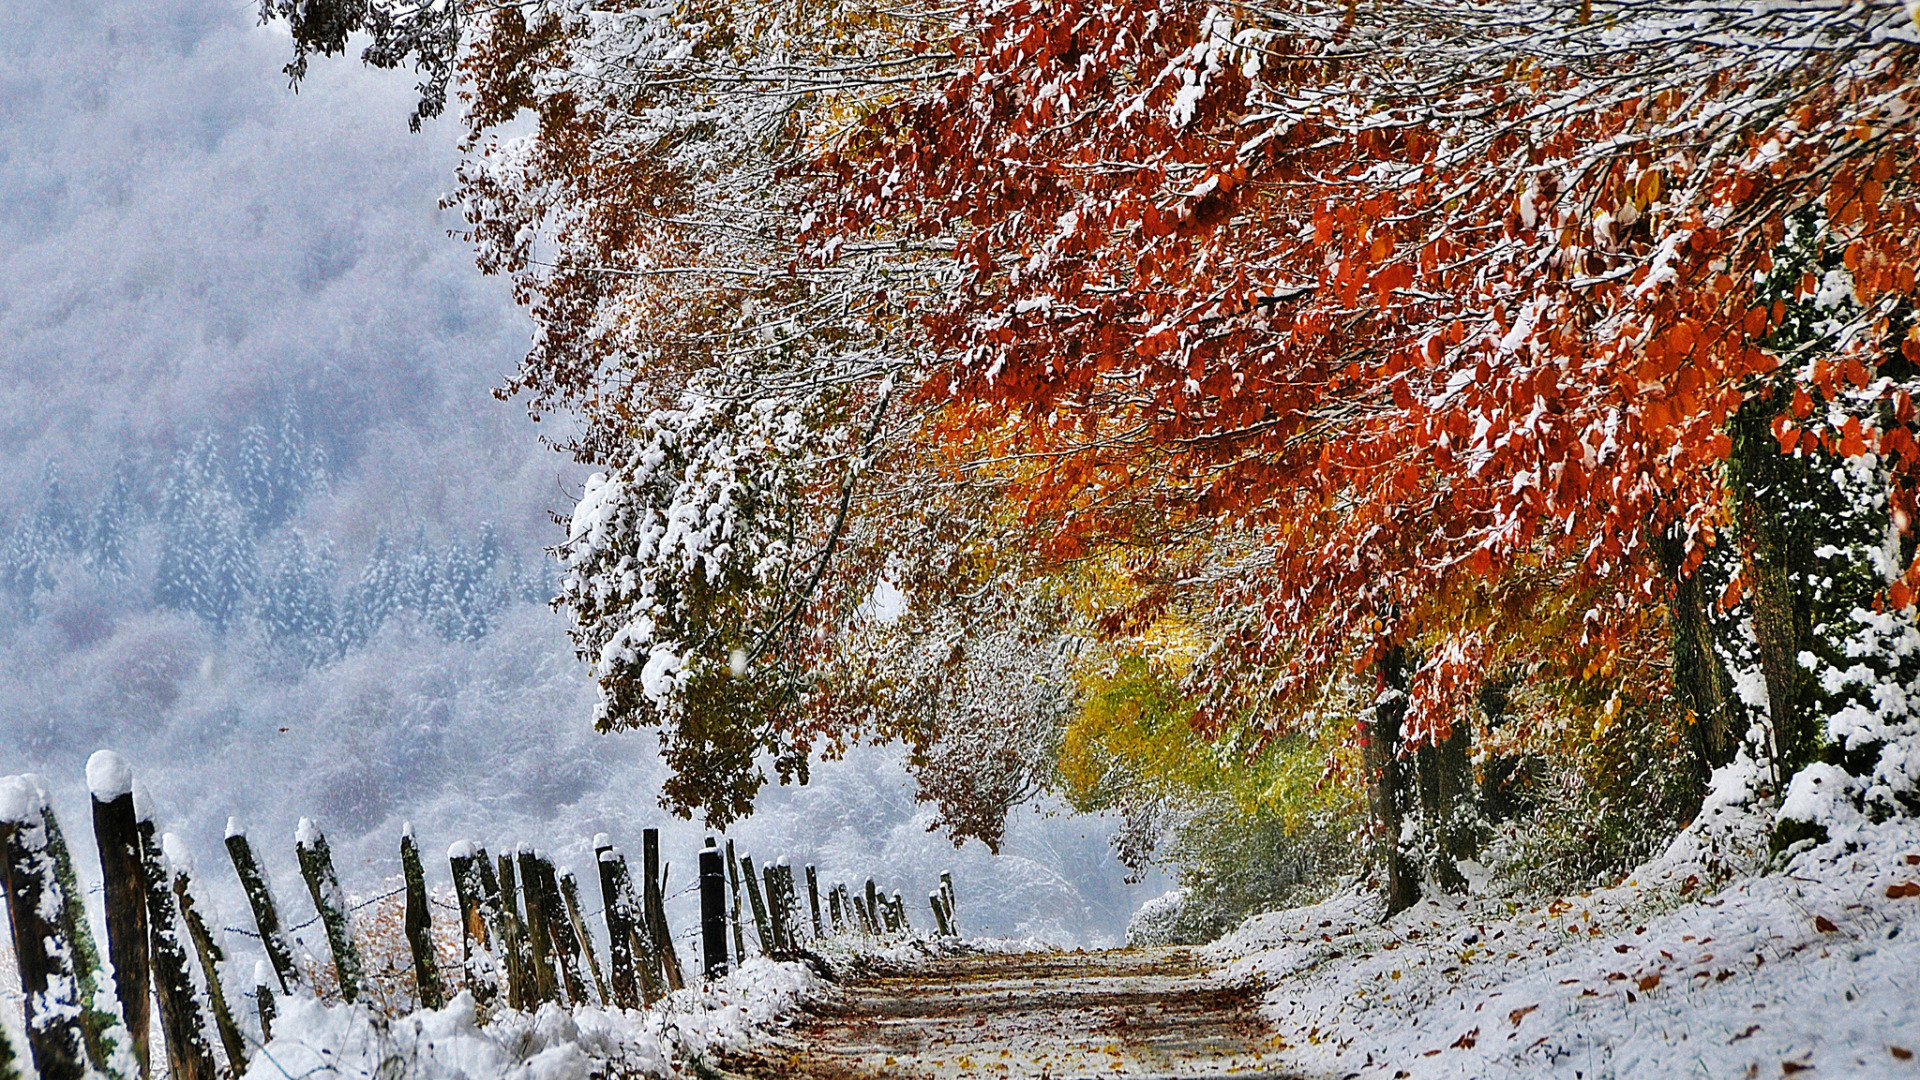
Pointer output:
1814, 966
353, 1043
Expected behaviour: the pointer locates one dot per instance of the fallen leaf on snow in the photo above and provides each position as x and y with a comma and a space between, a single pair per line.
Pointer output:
1518, 1015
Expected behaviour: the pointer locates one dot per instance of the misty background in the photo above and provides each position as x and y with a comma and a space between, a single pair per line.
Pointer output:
265, 531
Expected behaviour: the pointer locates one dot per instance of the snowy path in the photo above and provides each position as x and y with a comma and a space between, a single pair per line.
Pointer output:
1146, 1013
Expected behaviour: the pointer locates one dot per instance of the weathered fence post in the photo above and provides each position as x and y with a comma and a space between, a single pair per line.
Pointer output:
124, 888
873, 907
760, 924
813, 901
266, 912
539, 941
662, 934
739, 934
481, 968
776, 915
786, 903
900, 912
104, 1048
513, 937
419, 924
565, 946
55, 1039
263, 977
833, 910
713, 911
939, 916
946, 892
570, 892
619, 933
188, 1055
210, 955
316, 866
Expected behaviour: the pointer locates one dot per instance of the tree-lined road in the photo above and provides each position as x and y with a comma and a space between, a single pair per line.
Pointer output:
1146, 1013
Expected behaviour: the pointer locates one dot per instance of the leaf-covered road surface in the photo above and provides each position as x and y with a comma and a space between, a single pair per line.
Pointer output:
1139, 1013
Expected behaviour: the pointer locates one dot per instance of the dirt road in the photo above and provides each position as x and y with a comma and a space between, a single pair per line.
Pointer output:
1148, 1013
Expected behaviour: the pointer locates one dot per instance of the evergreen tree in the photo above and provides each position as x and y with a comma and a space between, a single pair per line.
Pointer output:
108, 530
296, 603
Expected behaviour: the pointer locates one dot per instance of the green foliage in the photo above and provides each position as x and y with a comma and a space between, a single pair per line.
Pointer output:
1246, 831
1600, 806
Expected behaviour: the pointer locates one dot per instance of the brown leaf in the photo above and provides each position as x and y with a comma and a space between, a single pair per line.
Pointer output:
1788, 1068
1518, 1015
1465, 1042
1824, 924
1648, 982
1900, 1052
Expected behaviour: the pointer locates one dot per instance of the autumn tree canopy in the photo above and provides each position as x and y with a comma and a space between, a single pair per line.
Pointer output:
1397, 352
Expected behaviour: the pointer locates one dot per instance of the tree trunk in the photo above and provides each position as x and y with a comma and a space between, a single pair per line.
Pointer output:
1385, 781
1766, 484
1700, 680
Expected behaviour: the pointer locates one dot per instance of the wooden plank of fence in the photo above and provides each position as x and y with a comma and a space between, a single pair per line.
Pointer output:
739, 934
813, 901
209, 954
646, 962
935, 902
316, 866
419, 925
266, 912
713, 911
833, 909
188, 1055
478, 963
619, 933
263, 977
55, 1040
768, 946
539, 942
566, 946
946, 891
521, 993
124, 891
658, 930
570, 891
97, 1026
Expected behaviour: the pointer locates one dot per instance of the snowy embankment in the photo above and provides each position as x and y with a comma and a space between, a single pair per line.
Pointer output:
1812, 966
312, 1038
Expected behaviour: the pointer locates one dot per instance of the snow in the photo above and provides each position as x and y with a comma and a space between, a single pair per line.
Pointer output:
20, 800
1663, 975
109, 776
235, 828
555, 1043
306, 834
179, 855
461, 849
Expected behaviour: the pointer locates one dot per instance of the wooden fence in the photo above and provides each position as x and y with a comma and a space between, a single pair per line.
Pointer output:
524, 938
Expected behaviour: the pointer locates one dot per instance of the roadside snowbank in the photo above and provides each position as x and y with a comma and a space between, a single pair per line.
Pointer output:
1816, 966
352, 1041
